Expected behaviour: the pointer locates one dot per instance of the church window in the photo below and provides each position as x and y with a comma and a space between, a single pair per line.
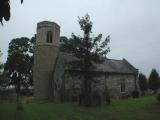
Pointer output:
123, 85
49, 37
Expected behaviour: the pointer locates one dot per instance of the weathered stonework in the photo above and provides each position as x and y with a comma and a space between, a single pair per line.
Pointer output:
110, 81
44, 59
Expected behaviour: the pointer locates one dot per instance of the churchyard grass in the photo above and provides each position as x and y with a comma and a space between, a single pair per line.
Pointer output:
144, 108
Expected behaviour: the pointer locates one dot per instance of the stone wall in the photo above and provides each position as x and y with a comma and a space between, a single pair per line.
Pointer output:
43, 70
111, 81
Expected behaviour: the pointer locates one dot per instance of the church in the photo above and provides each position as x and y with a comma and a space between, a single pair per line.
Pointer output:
55, 79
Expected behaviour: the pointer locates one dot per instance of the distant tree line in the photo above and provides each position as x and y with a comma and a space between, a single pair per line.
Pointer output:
152, 83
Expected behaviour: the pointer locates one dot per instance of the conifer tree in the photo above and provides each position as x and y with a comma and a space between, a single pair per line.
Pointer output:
142, 80
88, 50
154, 82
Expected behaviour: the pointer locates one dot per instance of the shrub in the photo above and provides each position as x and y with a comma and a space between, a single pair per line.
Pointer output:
19, 107
135, 94
158, 97
107, 95
96, 97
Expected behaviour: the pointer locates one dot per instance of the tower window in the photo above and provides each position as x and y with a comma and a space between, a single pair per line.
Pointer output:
49, 37
123, 85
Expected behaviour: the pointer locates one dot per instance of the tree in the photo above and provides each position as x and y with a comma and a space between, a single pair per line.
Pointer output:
1, 65
4, 80
32, 43
142, 80
19, 62
3, 77
88, 50
5, 10
154, 82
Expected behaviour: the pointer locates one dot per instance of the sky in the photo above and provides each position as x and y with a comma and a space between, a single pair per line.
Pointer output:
134, 25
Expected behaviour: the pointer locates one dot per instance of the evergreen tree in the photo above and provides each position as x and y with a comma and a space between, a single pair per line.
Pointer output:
154, 82
142, 80
88, 50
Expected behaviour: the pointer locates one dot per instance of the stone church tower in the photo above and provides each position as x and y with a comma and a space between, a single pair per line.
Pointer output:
46, 52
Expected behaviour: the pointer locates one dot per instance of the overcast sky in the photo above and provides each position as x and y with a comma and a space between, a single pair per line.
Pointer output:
134, 25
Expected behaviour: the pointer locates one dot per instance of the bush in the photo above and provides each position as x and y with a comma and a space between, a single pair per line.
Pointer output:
19, 107
158, 97
107, 96
135, 94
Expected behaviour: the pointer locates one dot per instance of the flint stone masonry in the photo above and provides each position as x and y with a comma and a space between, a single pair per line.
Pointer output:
44, 59
55, 79
111, 81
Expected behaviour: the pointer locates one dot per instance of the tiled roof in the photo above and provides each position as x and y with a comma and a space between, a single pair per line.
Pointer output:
108, 65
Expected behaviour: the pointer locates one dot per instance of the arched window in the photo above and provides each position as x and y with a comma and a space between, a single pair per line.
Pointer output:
49, 37
123, 87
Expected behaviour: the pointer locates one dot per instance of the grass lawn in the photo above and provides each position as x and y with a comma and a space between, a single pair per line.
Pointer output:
146, 108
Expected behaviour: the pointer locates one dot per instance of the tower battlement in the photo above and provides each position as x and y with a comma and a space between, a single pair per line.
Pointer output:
47, 24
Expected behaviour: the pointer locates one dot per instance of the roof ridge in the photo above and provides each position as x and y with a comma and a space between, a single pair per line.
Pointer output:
105, 58
113, 59
109, 65
130, 66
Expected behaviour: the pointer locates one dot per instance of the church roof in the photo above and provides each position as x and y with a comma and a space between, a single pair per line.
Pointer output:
108, 65
116, 66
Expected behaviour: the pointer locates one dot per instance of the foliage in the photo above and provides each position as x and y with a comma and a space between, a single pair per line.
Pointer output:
62, 39
135, 94
88, 50
63, 42
1, 65
19, 106
154, 81
142, 80
4, 80
158, 97
20, 61
3, 77
5, 10
107, 95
